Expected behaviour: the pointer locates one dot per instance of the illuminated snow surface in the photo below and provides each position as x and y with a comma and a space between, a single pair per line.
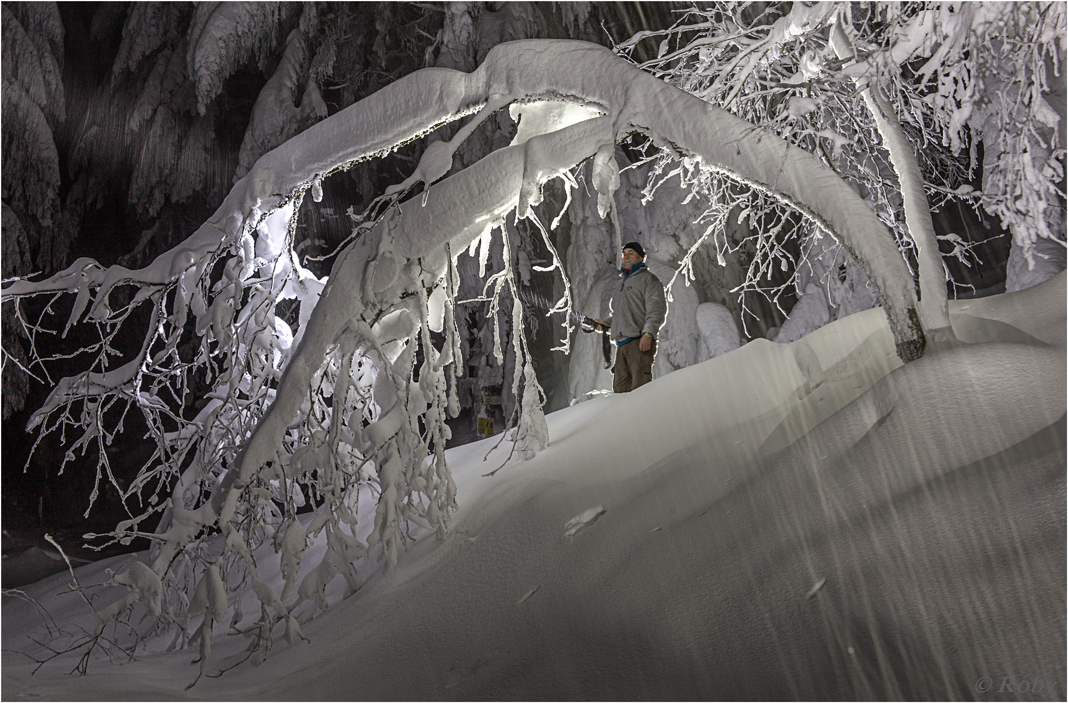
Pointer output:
786, 520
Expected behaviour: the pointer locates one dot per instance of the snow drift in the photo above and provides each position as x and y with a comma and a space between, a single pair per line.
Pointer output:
805, 520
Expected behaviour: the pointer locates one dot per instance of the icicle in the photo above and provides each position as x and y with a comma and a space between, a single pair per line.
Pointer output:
605, 177
80, 302
452, 330
343, 384
618, 233
569, 183
452, 333
564, 304
517, 344
248, 257
484, 251
533, 431
435, 315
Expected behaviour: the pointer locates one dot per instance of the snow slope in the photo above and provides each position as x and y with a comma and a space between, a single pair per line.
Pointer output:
806, 520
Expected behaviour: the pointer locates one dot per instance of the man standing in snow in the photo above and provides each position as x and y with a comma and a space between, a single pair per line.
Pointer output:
634, 310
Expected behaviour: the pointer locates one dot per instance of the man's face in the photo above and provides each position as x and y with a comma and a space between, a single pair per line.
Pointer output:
630, 257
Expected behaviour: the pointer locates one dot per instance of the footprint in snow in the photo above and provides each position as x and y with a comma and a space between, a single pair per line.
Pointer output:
816, 587
583, 520
458, 677
529, 593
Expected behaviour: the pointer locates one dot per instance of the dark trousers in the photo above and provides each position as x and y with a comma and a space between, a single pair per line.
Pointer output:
633, 367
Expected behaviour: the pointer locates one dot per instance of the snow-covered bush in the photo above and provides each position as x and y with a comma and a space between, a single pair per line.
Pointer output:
719, 334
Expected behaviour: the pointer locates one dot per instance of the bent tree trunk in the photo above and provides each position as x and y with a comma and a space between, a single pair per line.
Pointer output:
934, 304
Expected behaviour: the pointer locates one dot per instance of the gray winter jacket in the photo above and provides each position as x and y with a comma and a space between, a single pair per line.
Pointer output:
635, 305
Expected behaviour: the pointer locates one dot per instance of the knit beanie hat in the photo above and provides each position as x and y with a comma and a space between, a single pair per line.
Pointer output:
636, 247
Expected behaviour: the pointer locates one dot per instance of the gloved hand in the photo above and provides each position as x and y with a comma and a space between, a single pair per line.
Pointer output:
590, 324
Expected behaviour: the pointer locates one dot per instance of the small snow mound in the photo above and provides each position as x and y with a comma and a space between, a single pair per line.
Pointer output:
808, 315
718, 332
146, 582
583, 520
